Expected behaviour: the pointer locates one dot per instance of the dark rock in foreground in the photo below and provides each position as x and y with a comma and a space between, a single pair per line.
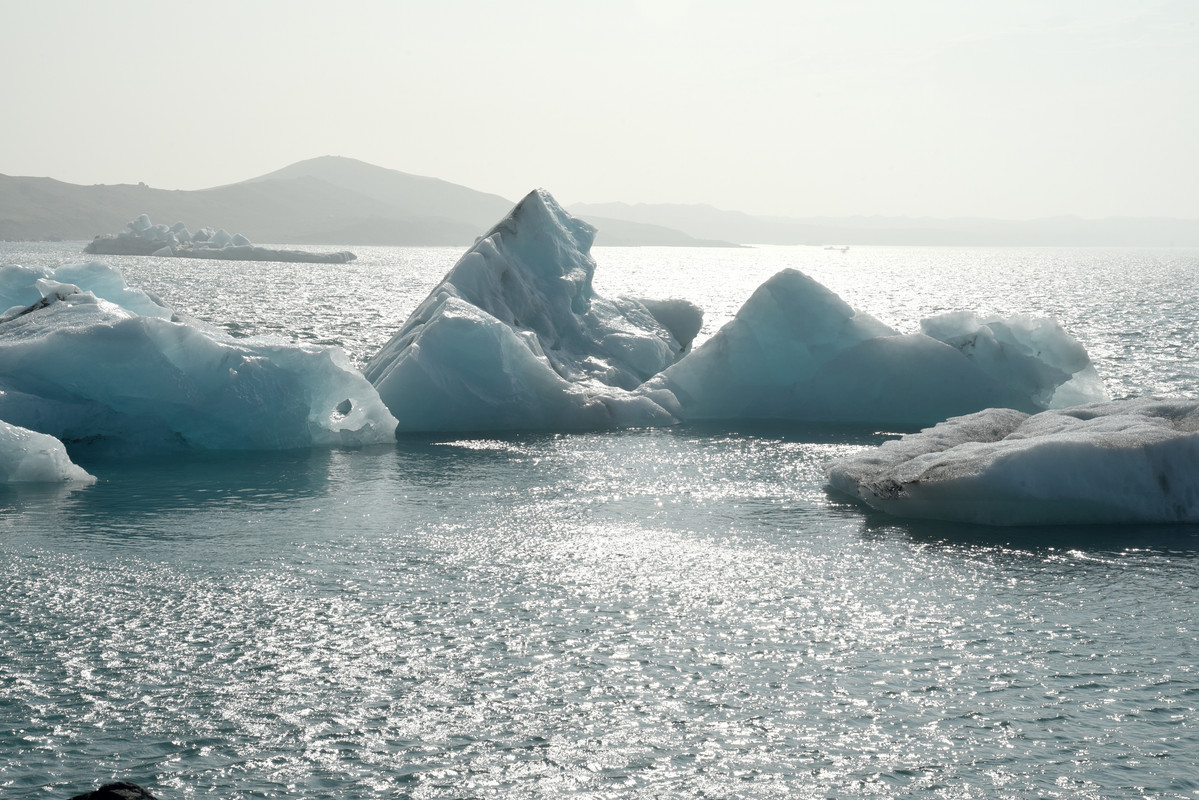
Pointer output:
121, 790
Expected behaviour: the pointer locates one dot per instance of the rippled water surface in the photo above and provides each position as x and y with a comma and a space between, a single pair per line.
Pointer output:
675, 612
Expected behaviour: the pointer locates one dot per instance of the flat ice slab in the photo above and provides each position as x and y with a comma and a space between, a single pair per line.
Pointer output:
1126, 461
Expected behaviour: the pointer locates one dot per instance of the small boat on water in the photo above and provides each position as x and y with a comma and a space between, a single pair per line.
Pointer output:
843, 249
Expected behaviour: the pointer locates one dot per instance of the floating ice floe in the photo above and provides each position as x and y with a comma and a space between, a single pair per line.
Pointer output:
1118, 462
797, 351
143, 238
92, 360
515, 337
30, 457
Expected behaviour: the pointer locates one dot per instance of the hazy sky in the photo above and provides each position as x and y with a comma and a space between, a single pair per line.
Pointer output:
1009, 108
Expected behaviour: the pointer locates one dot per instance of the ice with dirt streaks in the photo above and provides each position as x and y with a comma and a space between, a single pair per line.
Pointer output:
1127, 461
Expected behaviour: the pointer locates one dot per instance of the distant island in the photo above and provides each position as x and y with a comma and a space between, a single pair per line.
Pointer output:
340, 201
143, 238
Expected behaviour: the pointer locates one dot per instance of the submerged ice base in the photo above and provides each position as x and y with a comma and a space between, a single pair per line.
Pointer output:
515, 338
94, 361
1128, 461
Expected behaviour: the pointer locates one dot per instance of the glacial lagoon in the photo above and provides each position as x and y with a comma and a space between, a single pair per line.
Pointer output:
677, 611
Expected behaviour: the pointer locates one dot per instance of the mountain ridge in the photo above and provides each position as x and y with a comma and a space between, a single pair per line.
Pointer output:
325, 200
336, 200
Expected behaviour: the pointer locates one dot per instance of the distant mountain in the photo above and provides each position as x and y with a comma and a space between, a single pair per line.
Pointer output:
735, 226
342, 201
328, 200
406, 196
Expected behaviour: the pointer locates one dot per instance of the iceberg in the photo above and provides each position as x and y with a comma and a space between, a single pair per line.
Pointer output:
93, 361
515, 338
797, 351
30, 457
1127, 461
143, 238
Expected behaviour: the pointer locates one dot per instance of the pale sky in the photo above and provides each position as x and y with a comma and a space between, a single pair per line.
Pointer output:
1008, 108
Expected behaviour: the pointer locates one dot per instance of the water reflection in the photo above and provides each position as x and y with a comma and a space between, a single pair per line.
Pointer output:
1166, 538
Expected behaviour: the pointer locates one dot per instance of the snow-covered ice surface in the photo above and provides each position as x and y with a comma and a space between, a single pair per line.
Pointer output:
797, 351
1127, 461
30, 457
516, 338
93, 361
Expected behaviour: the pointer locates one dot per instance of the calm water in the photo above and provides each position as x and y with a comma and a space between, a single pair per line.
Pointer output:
676, 612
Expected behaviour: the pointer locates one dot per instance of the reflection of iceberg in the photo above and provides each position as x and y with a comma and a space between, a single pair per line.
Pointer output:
95, 361
797, 351
1118, 462
142, 238
514, 337
30, 457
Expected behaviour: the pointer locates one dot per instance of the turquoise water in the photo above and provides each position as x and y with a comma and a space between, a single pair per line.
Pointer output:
675, 612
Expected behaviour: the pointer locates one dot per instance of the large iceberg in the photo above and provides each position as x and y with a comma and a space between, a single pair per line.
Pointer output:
797, 351
91, 360
143, 238
1117, 462
515, 338
30, 457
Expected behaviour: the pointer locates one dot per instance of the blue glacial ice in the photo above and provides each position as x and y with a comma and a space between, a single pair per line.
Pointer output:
87, 359
797, 351
30, 457
515, 338
1127, 461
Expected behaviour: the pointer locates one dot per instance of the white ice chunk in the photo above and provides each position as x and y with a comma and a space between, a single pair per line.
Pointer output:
30, 457
466, 370
221, 239
1117, 462
681, 317
108, 282
514, 337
